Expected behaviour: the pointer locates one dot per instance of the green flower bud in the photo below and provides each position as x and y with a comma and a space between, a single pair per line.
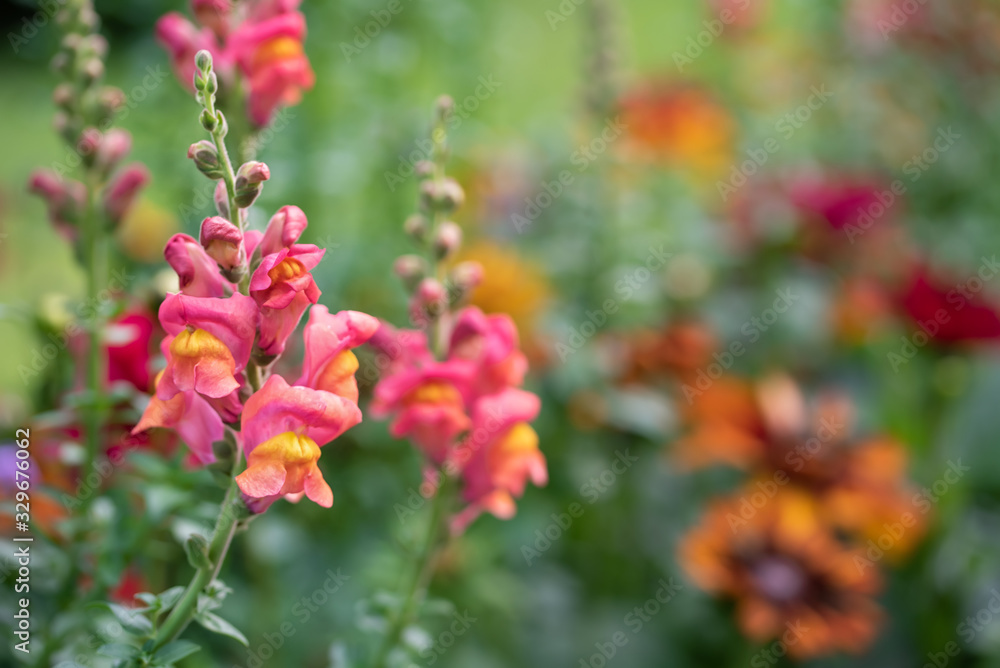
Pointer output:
208, 121
203, 60
206, 159
249, 182
416, 227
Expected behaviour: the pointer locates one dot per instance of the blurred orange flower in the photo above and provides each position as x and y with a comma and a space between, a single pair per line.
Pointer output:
680, 125
862, 308
678, 349
859, 486
792, 580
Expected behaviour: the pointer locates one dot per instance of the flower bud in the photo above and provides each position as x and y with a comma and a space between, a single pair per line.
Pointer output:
63, 96
208, 121
206, 159
447, 240
416, 227
64, 199
72, 41
221, 122
444, 196
464, 278
115, 146
429, 301
123, 190
47, 185
445, 106
203, 60
86, 19
93, 69
249, 182
467, 275
223, 242
111, 98
424, 168
221, 198
283, 230
97, 45
90, 140
411, 268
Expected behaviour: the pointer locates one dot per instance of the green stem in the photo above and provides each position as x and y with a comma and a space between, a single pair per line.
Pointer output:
225, 528
229, 177
96, 265
437, 267
416, 588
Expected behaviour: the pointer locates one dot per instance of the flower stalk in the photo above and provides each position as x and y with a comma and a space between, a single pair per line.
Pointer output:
233, 510
414, 589
95, 259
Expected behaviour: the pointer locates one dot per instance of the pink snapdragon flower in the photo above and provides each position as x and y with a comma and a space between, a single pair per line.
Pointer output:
427, 405
283, 288
283, 429
283, 230
190, 415
123, 191
329, 364
272, 58
262, 40
466, 412
183, 40
500, 455
64, 199
490, 343
210, 342
197, 272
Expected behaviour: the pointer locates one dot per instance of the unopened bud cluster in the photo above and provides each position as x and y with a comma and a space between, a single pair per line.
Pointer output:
432, 229
84, 117
249, 179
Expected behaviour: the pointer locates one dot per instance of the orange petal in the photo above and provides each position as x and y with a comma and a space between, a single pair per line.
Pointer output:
317, 489
262, 479
338, 376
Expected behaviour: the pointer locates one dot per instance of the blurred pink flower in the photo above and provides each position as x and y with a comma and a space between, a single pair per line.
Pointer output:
262, 40
500, 455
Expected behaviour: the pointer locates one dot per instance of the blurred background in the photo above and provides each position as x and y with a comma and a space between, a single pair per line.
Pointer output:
717, 224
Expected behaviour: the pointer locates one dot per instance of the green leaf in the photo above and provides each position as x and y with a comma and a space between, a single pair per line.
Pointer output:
149, 599
117, 650
173, 652
196, 547
169, 598
131, 620
216, 624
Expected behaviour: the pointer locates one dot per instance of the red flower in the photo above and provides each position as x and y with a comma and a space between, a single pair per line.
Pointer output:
950, 312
